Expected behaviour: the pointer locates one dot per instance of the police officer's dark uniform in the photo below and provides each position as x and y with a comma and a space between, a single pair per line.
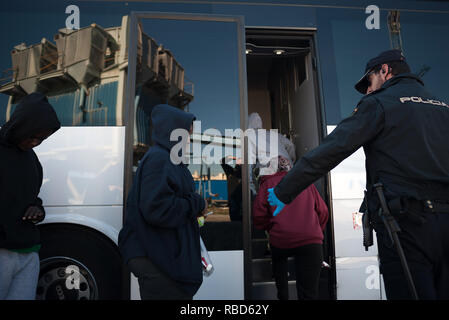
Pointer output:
404, 131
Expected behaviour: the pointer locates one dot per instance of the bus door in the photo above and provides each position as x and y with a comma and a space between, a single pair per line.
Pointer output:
197, 63
283, 89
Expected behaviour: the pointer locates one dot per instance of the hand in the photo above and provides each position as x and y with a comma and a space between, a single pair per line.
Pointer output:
226, 159
33, 214
275, 202
203, 213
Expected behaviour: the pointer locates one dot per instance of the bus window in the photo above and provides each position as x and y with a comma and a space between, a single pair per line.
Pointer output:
81, 85
425, 46
343, 58
193, 65
417, 33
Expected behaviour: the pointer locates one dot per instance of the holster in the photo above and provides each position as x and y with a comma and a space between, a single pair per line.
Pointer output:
367, 231
367, 226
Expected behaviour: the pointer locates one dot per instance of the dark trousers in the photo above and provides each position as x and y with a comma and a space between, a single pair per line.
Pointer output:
153, 284
426, 248
308, 261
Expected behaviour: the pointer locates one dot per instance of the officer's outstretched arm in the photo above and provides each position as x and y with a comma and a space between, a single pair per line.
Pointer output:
365, 123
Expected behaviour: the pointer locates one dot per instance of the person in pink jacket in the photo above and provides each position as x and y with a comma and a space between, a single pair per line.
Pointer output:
297, 232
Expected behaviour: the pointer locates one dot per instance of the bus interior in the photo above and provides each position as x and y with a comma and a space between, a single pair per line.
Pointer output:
282, 89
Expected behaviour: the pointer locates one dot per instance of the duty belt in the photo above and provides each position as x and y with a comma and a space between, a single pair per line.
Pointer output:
430, 206
416, 210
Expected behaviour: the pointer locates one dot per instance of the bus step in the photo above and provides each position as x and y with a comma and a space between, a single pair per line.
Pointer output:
260, 249
262, 270
267, 290
258, 234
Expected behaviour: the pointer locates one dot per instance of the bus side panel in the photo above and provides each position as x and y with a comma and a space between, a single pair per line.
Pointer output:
107, 220
357, 269
83, 166
358, 279
226, 282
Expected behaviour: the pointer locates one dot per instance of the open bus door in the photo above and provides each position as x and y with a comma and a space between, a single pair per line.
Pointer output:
211, 51
283, 88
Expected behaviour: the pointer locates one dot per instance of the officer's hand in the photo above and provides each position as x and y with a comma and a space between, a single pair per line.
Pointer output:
33, 214
275, 202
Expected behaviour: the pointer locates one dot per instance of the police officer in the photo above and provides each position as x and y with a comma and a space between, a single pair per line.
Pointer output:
404, 131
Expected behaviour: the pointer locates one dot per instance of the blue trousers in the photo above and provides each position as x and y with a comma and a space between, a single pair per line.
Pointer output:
426, 248
19, 273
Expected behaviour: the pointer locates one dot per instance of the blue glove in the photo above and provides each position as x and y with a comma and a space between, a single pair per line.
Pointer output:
275, 202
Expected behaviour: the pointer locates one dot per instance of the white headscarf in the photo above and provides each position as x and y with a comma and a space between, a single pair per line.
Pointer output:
286, 148
286, 159
254, 121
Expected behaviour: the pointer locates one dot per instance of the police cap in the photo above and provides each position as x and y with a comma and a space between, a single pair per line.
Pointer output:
384, 57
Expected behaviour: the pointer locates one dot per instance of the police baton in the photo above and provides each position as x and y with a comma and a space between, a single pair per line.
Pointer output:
393, 228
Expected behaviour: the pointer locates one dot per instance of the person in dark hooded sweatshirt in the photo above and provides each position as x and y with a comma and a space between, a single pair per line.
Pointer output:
32, 122
160, 239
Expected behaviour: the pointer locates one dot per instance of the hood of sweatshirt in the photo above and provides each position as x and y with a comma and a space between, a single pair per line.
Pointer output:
32, 115
165, 120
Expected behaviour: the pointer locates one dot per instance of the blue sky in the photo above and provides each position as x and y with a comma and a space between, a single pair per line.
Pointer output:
209, 55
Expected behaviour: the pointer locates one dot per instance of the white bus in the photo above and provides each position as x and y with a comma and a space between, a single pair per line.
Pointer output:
294, 63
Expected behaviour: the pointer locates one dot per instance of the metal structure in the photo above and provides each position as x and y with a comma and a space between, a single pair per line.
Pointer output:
394, 26
82, 57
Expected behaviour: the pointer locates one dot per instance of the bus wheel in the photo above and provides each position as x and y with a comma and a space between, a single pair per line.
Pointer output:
77, 263
63, 278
